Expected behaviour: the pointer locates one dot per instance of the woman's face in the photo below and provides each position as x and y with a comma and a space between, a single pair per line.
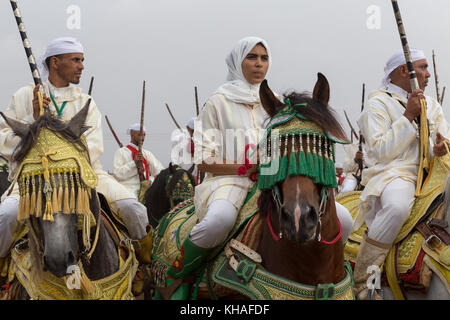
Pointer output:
255, 64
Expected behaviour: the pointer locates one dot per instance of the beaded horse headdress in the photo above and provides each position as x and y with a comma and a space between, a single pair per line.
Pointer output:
289, 130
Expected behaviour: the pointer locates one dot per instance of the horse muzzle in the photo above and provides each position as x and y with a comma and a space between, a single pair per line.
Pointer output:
299, 224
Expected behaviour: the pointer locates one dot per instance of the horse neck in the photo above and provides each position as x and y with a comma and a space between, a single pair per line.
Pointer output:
104, 260
309, 263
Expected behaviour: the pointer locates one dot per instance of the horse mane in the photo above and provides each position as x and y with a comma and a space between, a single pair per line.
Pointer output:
47, 120
322, 115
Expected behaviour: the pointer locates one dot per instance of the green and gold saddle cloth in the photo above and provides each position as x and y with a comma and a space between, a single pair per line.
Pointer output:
410, 243
176, 225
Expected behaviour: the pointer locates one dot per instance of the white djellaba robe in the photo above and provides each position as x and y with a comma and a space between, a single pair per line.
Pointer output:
125, 171
222, 130
350, 167
180, 153
121, 200
392, 144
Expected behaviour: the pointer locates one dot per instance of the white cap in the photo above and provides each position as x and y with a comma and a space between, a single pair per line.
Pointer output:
135, 127
338, 165
191, 123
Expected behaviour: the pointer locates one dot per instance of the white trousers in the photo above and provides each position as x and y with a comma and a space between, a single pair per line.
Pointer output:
390, 211
221, 215
349, 184
132, 212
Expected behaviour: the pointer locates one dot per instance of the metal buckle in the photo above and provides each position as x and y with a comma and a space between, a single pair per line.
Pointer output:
430, 238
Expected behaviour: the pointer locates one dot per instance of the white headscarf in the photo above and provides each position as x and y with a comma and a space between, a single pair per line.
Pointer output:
396, 60
135, 127
238, 89
56, 47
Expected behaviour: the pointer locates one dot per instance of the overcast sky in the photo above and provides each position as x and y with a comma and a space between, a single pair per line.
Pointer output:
177, 44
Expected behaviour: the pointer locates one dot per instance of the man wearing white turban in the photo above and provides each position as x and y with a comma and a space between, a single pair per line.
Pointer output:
62, 65
127, 158
392, 149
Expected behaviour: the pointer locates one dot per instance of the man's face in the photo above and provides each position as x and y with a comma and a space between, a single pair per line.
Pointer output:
339, 171
69, 67
136, 138
255, 65
421, 68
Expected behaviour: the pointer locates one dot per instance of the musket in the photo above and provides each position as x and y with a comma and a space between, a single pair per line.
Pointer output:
113, 132
436, 81
423, 128
173, 118
196, 101
442, 97
360, 161
351, 127
141, 129
90, 86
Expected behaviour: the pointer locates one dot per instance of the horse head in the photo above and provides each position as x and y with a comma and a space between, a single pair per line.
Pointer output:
57, 187
297, 172
172, 186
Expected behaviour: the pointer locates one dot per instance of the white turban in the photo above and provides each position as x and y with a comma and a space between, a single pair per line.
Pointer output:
191, 122
238, 89
338, 165
58, 46
396, 60
135, 127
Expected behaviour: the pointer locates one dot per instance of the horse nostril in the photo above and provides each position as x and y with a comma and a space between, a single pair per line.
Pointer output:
70, 258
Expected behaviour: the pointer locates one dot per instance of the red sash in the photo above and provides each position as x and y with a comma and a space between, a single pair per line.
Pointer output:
340, 179
134, 152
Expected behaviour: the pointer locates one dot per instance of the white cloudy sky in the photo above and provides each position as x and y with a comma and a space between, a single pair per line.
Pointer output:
177, 44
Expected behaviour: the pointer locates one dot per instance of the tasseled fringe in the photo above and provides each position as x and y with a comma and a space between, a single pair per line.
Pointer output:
86, 284
55, 203
21, 215
39, 199
66, 208
33, 196
293, 166
72, 194
60, 191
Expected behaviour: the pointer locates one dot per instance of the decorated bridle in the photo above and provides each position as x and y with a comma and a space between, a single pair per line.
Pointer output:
315, 161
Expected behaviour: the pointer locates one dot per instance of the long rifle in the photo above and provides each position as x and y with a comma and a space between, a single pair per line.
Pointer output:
353, 131
423, 128
436, 81
360, 161
196, 101
442, 97
173, 118
91, 85
113, 132
141, 129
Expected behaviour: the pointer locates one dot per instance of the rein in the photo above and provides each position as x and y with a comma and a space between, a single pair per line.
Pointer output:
322, 208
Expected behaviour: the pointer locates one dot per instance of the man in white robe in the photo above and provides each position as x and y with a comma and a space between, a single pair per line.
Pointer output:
127, 158
392, 147
61, 66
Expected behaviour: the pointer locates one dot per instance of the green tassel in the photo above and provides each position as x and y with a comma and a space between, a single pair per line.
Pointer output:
310, 165
302, 166
320, 177
332, 173
282, 170
293, 168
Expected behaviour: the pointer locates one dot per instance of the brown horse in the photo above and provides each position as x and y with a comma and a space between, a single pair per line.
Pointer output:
301, 234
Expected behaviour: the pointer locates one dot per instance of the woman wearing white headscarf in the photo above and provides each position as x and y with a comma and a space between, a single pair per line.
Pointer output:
231, 119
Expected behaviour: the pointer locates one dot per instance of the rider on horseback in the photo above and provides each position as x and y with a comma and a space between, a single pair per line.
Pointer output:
392, 145
127, 158
61, 65
236, 106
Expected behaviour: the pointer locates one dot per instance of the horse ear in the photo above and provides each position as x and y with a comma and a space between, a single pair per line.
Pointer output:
76, 124
19, 128
321, 91
171, 168
269, 101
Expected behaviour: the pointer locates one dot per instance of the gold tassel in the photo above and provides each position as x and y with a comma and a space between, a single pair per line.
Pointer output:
27, 198
21, 214
86, 201
33, 196
86, 284
72, 194
55, 205
60, 192
48, 214
39, 199
79, 196
66, 194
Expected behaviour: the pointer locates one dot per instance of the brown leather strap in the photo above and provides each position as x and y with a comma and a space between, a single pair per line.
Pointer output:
111, 229
429, 229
